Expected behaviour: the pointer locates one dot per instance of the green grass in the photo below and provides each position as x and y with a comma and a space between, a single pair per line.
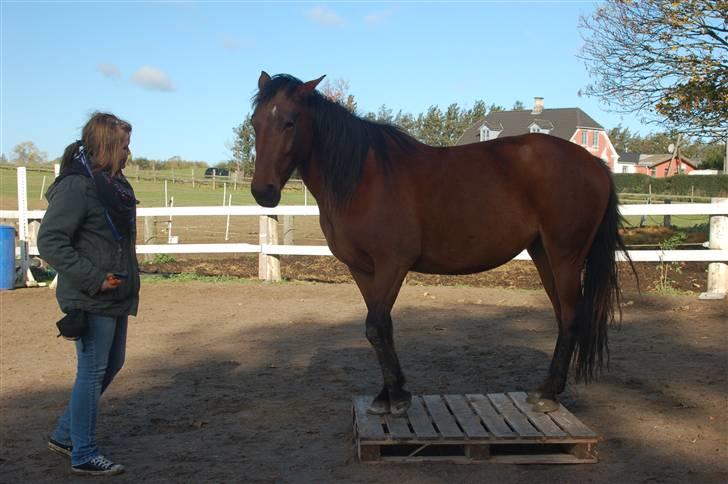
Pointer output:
149, 192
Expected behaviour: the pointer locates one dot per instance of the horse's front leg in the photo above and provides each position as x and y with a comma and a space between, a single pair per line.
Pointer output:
380, 290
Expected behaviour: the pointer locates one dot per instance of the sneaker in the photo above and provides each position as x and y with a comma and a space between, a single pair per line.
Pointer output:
98, 466
60, 448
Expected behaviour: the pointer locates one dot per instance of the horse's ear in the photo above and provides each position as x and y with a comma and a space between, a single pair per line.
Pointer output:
263, 79
308, 87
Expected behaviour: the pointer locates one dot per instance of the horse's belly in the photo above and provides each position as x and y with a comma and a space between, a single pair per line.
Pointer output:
463, 263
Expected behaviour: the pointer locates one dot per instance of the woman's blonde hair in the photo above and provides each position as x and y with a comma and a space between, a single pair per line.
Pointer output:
104, 137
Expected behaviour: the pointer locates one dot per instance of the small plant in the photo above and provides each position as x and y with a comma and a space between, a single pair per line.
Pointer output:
665, 283
163, 259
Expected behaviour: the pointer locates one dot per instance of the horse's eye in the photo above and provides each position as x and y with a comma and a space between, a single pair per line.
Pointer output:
289, 124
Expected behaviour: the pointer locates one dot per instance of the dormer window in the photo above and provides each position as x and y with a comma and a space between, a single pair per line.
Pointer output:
541, 126
487, 134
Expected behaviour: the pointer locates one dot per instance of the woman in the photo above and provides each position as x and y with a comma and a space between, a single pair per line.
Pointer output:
88, 235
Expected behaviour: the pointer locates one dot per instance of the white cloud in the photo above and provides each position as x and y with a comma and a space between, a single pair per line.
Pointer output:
151, 78
377, 18
109, 70
325, 16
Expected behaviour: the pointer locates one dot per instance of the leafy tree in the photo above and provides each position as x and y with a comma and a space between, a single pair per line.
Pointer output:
3, 159
431, 127
27, 153
243, 148
384, 115
338, 91
621, 138
518, 106
667, 60
407, 122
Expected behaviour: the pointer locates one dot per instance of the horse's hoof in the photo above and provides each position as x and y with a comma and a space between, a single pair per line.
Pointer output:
534, 396
378, 407
400, 408
544, 405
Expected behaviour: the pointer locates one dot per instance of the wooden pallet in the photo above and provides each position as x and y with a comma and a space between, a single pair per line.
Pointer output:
497, 427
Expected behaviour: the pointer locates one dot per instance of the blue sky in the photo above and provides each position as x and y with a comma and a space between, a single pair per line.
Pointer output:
183, 73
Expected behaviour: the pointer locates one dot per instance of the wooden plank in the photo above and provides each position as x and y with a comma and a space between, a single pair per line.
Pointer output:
494, 422
541, 459
466, 416
369, 426
572, 425
420, 421
398, 428
540, 420
442, 417
515, 419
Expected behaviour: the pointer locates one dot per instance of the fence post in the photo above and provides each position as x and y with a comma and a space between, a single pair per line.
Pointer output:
717, 271
288, 230
25, 277
667, 219
269, 266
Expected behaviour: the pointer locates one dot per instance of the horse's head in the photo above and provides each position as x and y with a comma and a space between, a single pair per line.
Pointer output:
283, 133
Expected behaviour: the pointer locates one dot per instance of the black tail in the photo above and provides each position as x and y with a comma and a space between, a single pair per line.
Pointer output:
601, 294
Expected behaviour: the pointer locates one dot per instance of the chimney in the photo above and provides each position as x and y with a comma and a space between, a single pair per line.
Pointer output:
537, 105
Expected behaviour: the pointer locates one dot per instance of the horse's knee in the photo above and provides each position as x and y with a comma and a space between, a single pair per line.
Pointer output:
374, 332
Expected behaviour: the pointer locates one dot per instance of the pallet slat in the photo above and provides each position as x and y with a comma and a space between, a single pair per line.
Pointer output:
542, 421
515, 418
571, 424
466, 416
368, 426
420, 421
494, 422
398, 428
442, 417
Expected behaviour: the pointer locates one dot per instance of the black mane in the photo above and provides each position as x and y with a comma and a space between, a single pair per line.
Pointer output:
341, 138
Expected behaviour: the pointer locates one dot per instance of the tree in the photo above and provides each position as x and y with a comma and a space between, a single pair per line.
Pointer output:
3, 159
665, 60
518, 106
244, 146
338, 91
27, 153
431, 127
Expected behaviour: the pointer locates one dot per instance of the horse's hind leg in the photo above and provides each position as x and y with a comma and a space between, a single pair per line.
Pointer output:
563, 287
380, 290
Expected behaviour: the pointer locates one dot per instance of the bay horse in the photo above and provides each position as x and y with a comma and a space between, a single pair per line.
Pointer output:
390, 204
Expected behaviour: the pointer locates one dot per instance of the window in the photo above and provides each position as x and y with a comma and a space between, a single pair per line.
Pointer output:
583, 137
595, 139
625, 169
484, 133
653, 172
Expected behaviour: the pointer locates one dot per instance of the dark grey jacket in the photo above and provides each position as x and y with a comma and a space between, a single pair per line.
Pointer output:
76, 241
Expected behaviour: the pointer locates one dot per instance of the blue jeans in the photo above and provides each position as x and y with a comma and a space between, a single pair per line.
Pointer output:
100, 355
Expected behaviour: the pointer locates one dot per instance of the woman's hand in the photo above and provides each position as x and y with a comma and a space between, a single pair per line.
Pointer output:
110, 283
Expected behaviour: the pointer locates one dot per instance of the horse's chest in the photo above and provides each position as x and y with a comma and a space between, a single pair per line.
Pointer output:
342, 245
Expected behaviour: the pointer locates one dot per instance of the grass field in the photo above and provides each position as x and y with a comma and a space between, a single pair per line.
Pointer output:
151, 193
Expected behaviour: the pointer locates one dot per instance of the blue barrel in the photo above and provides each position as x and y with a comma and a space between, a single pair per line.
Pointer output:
7, 257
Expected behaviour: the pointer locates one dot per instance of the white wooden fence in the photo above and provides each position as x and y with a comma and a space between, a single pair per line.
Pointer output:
269, 249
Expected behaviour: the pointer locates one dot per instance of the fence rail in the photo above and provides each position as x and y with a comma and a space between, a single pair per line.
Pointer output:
269, 250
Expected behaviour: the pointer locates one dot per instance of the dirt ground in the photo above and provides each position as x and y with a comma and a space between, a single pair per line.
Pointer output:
252, 382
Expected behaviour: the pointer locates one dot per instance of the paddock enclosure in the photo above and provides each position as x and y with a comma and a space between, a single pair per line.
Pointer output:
253, 382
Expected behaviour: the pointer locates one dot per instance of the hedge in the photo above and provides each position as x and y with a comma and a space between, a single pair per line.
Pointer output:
704, 185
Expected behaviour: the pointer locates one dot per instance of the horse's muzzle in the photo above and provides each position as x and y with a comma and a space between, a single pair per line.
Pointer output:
268, 197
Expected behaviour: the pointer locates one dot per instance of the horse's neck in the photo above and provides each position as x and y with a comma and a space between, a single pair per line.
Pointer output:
311, 176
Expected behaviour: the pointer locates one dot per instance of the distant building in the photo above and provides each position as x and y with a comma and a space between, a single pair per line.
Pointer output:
655, 165
571, 124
